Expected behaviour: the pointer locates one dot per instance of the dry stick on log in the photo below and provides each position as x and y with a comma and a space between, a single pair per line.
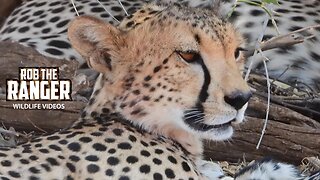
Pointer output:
303, 110
282, 41
279, 113
301, 102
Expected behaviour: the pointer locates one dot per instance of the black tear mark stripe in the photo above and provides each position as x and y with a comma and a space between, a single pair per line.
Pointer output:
203, 96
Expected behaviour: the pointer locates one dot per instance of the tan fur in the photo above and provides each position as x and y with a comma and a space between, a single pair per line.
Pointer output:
136, 51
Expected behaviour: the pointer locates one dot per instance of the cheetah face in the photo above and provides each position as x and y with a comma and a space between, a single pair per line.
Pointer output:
177, 71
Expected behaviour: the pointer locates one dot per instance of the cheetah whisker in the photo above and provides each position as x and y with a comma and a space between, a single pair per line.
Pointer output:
192, 112
200, 119
194, 115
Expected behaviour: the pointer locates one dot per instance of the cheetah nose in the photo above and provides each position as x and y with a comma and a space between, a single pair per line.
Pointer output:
238, 99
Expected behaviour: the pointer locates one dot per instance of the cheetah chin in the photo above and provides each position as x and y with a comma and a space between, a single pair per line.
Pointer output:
220, 129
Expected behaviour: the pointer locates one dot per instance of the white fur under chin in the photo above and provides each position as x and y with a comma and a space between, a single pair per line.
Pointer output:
217, 134
175, 120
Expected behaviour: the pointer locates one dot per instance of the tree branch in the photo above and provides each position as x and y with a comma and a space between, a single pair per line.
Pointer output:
283, 40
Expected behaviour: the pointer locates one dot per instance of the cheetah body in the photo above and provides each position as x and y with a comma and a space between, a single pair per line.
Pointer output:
142, 85
153, 103
106, 149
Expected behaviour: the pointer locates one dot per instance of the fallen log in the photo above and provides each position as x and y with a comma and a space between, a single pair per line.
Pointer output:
282, 141
40, 121
257, 108
290, 136
14, 55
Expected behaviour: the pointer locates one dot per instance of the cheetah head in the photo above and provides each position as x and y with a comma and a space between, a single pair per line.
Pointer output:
170, 69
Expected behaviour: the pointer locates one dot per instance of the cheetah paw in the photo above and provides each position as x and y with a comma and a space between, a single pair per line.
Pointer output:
212, 171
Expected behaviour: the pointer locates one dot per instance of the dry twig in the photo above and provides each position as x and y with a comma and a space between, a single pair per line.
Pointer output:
282, 40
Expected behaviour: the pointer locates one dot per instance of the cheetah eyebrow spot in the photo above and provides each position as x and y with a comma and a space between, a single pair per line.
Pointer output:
197, 38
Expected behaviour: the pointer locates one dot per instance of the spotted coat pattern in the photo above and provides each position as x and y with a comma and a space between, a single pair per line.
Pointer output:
43, 25
141, 122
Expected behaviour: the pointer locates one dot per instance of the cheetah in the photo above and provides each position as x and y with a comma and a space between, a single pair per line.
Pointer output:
165, 85
42, 25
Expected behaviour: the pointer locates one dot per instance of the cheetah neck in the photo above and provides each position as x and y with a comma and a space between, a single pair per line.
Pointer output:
102, 104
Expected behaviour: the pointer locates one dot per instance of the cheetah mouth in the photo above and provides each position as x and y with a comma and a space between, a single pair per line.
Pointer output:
199, 126
194, 118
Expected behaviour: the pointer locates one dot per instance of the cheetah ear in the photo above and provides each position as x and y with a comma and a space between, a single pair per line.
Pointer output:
97, 41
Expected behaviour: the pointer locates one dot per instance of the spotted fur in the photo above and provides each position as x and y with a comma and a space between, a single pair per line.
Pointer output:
153, 103
106, 148
43, 25
268, 169
140, 111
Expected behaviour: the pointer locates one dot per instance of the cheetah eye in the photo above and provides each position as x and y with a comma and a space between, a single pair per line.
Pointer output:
189, 56
237, 52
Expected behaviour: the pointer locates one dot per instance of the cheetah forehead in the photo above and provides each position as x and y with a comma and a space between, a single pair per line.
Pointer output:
201, 17
140, 16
